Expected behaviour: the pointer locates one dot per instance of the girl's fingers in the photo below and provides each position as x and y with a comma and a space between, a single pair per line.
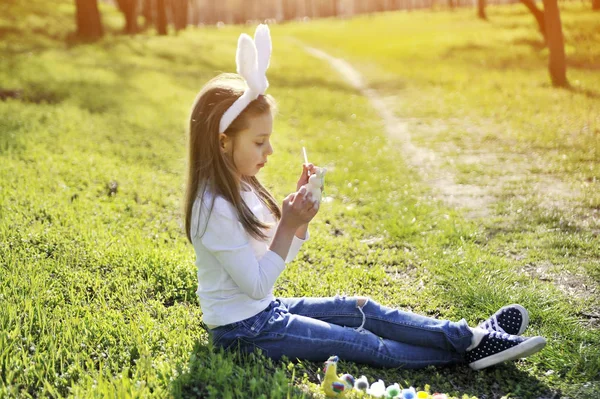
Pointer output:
307, 169
312, 211
299, 198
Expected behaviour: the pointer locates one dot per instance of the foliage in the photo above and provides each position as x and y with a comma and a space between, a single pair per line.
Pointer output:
97, 281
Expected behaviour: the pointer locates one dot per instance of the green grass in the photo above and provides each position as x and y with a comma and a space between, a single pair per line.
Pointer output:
97, 288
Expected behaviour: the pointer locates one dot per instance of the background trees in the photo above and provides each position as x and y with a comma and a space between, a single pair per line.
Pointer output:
557, 64
89, 25
181, 13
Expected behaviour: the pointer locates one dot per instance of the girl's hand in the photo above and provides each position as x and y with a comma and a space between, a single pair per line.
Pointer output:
306, 168
298, 209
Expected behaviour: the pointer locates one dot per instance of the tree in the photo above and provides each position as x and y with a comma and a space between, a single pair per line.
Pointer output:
195, 13
538, 14
596, 5
309, 9
289, 10
179, 10
87, 16
334, 8
129, 10
557, 64
161, 17
209, 13
481, 9
147, 12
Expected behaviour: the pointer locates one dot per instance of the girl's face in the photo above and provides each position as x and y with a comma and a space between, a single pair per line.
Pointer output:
250, 147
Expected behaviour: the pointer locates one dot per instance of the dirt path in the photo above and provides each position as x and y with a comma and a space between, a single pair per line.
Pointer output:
473, 198
438, 168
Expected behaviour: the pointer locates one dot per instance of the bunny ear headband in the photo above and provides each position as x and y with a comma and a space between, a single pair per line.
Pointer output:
252, 59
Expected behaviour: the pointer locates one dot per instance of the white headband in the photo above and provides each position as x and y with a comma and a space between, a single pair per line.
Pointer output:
252, 59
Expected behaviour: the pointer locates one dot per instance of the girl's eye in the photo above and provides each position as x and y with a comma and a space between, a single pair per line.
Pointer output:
259, 144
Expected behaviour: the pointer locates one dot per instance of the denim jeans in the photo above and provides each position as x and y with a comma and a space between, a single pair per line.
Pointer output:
316, 328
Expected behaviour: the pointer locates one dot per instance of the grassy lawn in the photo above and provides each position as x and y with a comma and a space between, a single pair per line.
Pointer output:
97, 280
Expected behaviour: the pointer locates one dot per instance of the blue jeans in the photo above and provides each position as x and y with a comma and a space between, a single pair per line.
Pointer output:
316, 328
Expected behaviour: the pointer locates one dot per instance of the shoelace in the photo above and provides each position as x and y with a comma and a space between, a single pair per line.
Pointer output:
503, 335
491, 322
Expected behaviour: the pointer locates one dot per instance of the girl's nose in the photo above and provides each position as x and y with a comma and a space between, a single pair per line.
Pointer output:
269, 149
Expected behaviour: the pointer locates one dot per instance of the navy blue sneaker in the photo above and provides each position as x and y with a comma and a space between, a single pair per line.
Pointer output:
512, 319
496, 347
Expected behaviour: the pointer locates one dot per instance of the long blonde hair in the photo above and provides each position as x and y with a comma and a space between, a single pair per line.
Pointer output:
208, 167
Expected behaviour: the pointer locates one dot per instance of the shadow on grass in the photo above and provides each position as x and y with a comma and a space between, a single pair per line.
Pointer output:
583, 64
212, 373
499, 58
7, 30
504, 380
589, 93
91, 96
54, 33
573, 61
536, 61
491, 57
535, 44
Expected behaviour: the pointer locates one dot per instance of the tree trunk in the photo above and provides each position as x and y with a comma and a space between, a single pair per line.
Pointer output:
481, 9
279, 10
289, 10
129, 10
185, 13
251, 10
87, 16
147, 8
161, 17
174, 6
309, 9
179, 10
379, 6
557, 63
195, 13
210, 12
538, 14
596, 5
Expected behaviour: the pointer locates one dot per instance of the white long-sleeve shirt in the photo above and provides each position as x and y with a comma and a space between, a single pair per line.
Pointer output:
236, 272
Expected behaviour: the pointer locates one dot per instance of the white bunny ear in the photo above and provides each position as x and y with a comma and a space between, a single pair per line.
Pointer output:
262, 39
252, 59
246, 58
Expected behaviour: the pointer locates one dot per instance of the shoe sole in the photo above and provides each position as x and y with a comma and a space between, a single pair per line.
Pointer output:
524, 315
524, 349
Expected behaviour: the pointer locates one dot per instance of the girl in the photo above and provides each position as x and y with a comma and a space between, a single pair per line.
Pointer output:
242, 240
